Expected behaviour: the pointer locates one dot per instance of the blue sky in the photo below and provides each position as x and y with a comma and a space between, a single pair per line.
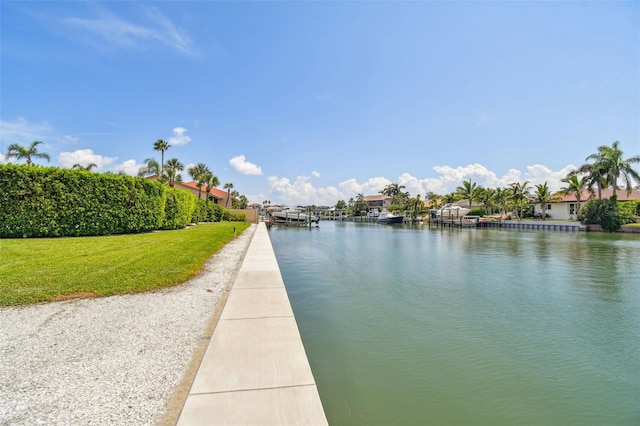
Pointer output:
313, 102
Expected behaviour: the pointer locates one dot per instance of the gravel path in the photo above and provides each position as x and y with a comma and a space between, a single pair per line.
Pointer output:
108, 361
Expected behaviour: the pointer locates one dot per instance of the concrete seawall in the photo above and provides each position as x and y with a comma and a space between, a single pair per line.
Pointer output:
255, 370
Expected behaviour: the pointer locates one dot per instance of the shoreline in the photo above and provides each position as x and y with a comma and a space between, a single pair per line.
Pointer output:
116, 360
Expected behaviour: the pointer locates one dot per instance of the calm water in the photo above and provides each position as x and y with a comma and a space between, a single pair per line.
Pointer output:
412, 326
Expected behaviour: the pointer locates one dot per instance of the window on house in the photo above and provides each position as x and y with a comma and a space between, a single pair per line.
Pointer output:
572, 208
548, 206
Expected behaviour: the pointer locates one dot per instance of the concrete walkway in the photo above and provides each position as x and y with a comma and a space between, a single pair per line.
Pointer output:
255, 370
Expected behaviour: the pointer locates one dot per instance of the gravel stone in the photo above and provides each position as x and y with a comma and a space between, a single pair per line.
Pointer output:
113, 360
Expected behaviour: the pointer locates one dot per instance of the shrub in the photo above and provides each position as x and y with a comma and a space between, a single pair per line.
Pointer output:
40, 201
179, 208
601, 212
629, 211
477, 211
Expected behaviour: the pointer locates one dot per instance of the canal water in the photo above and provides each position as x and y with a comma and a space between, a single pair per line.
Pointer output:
406, 325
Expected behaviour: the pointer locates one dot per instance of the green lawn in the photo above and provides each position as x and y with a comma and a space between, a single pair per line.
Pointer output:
48, 269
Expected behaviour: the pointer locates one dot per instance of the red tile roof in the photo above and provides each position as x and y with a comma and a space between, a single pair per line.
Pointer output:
606, 193
214, 191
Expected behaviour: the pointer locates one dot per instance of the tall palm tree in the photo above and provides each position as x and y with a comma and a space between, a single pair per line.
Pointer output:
172, 171
486, 197
211, 181
228, 187
500, 197
542, 196
199, 173
575, 185
161, 146
87, 168
29, 152
469, 191
518, 193
611, 162
151, 167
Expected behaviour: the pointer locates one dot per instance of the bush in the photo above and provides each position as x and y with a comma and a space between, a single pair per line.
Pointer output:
207, 211
477, 211
179, 208
629, 211
601, 212
40, 201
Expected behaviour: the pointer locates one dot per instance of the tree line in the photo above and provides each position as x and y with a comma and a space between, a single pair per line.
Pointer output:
604, 169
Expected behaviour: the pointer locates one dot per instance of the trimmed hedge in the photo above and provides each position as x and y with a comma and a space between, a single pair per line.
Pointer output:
179, 208
207, 211
40, 201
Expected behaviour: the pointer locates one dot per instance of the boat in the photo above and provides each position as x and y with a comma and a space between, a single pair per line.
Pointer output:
389, 218
294, 216
452, 210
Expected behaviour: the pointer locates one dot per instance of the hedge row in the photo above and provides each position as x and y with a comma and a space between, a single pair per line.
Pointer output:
206, 211
52, 202
40, 201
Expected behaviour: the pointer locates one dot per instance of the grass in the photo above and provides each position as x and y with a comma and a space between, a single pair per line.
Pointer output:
50, 269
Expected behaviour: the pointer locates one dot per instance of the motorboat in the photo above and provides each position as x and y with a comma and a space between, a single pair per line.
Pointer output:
389, 218
294, 216
452, 210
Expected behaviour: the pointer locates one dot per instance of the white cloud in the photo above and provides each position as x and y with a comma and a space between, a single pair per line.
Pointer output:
302, 192
242, 166
85, 157
129, 167
315, 174
22, 131
118, 32
2, 158
179, 137
372, 186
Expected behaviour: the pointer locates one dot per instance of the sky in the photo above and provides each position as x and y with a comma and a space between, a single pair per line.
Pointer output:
313, 102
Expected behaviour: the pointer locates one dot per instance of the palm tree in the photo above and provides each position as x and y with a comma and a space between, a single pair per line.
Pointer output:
30, 152
469, 191
161, 146
151, 167
211, 181
519, 192
172, 170
500, 197
199, 173
575, 185
486, 197
615, 167
542, 196
228, 187
88, 168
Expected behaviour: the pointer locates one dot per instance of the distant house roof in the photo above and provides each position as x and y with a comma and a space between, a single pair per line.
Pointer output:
254, 206
380, 197
606, 193
219, 193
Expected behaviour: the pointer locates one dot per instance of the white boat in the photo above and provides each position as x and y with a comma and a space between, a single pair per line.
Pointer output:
452, 210
294, 216
389, 218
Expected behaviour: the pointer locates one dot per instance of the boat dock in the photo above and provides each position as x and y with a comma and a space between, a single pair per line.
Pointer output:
477, 222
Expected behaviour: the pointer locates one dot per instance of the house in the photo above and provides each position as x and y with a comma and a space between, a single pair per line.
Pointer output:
218, 196
378, 202
566, 206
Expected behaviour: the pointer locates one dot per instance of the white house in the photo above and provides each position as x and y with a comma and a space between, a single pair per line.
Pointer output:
566, 206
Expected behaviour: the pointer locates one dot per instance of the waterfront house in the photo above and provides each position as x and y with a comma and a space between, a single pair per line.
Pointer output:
378, 202
566, 206
216, 195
